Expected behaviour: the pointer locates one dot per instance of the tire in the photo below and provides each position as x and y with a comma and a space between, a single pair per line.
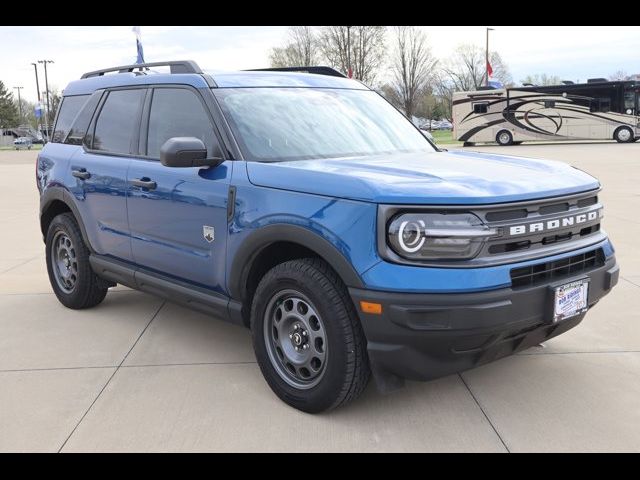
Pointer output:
623, 135
337, 365
504, 138
70, 274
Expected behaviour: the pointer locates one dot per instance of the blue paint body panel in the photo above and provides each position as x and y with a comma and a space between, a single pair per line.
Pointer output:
334, 199
438, 178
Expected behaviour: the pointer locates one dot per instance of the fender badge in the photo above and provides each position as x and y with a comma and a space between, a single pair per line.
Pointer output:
208, 233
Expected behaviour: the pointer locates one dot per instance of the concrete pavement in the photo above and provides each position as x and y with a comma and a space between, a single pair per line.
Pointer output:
140, 374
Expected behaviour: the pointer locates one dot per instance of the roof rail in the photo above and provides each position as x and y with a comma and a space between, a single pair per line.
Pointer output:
332, 72
176, 66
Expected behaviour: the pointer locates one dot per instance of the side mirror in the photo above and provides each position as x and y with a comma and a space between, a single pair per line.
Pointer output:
183, 152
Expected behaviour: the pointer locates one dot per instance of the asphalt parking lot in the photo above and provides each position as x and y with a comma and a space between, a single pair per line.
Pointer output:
140, 374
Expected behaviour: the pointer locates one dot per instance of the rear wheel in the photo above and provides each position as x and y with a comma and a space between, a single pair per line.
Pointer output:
70, 274
307, 336
623, 135
504, 138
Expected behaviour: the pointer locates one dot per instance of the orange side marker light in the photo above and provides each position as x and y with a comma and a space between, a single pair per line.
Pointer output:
370, 307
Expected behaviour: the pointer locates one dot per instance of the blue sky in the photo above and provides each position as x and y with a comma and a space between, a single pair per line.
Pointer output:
573, 53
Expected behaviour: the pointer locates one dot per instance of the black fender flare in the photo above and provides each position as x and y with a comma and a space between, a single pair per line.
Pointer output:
54, 193
261, 238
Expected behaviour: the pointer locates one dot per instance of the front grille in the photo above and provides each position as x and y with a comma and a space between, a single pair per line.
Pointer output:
556, 270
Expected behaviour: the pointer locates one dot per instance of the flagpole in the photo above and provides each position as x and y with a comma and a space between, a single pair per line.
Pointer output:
486, 63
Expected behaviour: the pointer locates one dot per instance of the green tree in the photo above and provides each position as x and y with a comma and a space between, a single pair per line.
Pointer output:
8, 108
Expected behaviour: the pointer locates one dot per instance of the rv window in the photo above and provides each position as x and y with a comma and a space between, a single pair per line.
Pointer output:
629, 101
480, 107
549, 104
601, 105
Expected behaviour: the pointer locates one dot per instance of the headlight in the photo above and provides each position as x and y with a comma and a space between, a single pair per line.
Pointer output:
435, 236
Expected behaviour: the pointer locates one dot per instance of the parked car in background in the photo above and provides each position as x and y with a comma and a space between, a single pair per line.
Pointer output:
22, 143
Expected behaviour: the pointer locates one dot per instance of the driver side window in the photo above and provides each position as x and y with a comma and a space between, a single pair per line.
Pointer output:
177, 112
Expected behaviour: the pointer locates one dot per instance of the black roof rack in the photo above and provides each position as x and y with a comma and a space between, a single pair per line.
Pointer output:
332, 72
177, 66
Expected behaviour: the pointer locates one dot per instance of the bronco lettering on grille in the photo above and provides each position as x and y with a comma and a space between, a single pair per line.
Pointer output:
564, 222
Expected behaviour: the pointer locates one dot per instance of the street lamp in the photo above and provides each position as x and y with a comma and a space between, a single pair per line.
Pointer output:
46, 84
35, 68
19, 102
486, 65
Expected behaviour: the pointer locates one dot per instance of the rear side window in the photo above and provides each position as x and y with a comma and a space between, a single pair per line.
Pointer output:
69, 108
81, 123
118, 121
177, 112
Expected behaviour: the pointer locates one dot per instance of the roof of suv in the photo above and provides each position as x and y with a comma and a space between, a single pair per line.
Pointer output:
238, 79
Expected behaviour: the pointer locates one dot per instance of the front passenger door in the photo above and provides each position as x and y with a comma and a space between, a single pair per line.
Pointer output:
178, 216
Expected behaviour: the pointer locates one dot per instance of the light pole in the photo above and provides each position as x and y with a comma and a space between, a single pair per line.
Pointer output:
486, 65
349, 71
46, 85
19, 101
35, 68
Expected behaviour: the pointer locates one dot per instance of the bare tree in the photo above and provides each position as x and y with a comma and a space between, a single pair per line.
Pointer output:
619, 75
367, 50
542, 79
500, 69
466, 69
412, 66
443, 88
300, 50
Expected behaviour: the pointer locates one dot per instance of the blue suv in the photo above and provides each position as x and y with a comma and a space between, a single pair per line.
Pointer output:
303, 206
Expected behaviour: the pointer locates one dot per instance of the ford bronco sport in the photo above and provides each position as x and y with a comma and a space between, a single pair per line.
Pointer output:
304, 206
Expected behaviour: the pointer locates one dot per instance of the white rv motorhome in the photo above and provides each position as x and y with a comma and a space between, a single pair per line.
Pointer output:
597, 110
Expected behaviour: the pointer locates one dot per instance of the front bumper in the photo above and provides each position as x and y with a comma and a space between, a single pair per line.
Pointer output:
425, 336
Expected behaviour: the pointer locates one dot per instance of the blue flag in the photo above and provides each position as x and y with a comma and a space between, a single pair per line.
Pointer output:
140, 58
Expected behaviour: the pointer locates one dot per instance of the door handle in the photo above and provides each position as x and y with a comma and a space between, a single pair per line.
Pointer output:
144, 182
81, 173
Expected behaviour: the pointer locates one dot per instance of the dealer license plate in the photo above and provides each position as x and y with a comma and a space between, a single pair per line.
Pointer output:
570, 300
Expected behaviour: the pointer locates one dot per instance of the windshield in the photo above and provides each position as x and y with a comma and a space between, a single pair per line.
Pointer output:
278, 124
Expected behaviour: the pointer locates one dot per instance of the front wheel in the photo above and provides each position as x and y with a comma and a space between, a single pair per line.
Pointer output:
307, 336
623, 135
504, 138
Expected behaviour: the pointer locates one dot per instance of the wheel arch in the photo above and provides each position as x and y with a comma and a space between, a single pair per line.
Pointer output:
273, 244
53, 202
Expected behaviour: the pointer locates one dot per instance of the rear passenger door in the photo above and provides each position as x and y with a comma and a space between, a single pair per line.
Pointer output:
100, 170
178, 221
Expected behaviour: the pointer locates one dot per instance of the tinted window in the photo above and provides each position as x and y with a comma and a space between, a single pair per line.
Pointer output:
480, 108
81, 123
549, 104
629, 101
601, 105
177, 112
118, 121
68, 110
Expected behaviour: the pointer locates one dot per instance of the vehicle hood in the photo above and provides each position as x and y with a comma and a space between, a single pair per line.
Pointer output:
453, 178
